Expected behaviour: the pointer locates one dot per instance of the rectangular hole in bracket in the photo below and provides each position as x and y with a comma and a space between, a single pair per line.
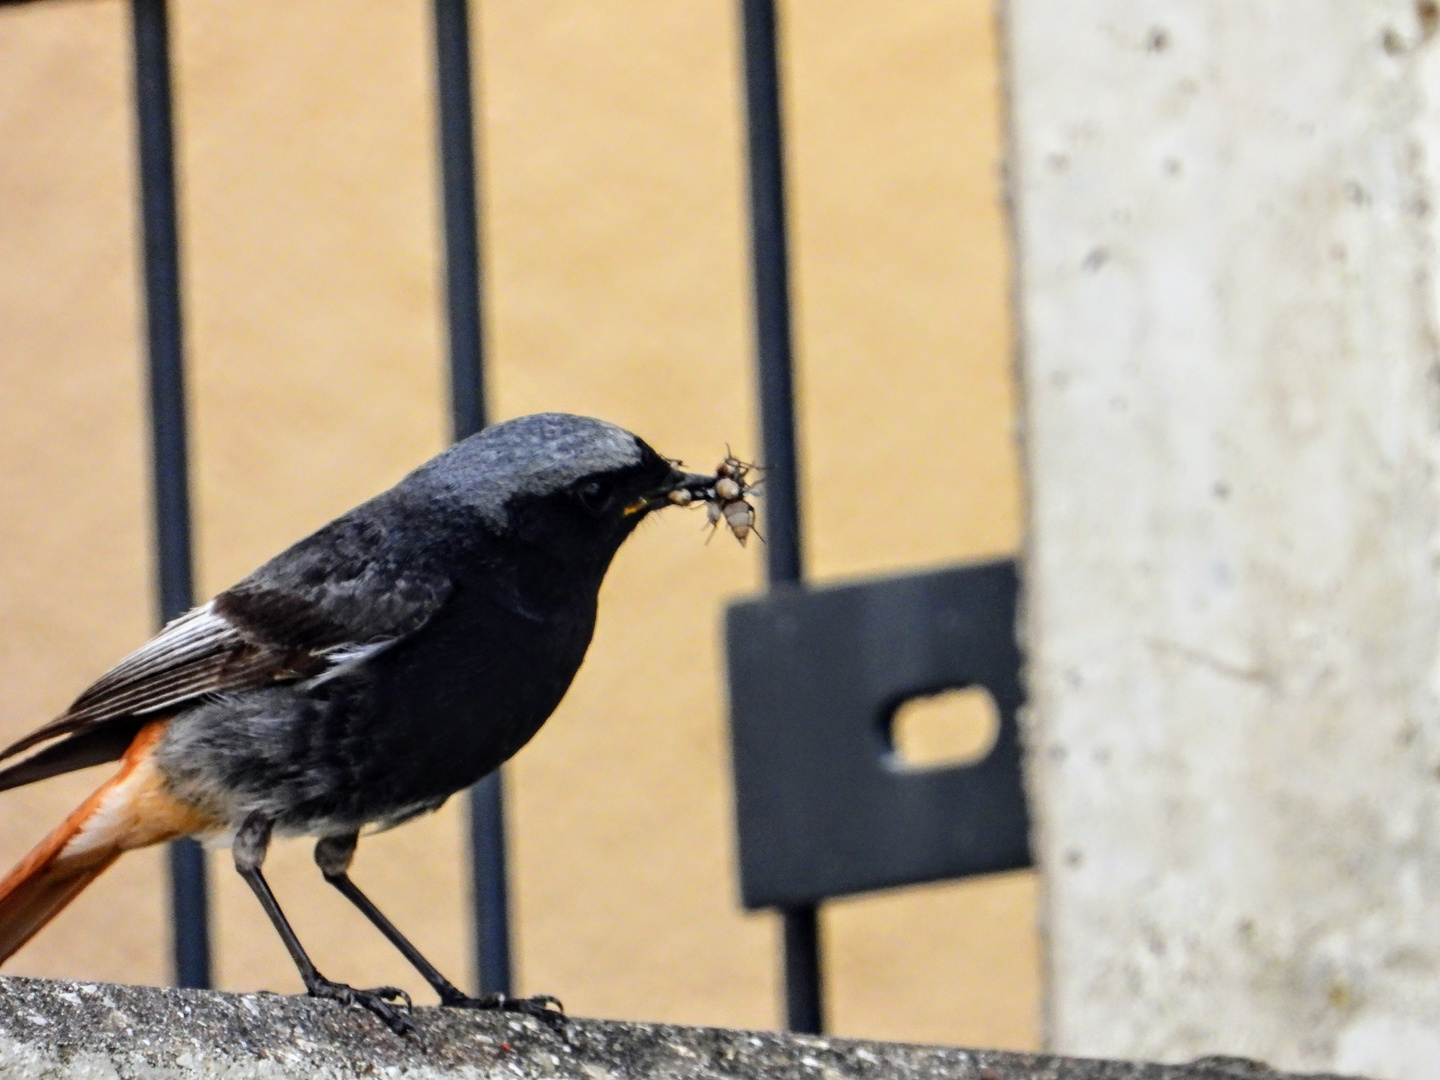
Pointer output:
943, 730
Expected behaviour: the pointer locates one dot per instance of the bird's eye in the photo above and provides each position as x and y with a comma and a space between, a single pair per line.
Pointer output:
594, 496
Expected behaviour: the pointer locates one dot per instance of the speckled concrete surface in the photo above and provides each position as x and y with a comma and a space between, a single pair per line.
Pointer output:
50, 1030
1231, 435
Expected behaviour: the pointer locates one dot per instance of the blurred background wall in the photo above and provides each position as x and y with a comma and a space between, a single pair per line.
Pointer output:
617, 284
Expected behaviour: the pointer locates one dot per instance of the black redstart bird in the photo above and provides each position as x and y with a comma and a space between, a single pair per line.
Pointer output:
360, 678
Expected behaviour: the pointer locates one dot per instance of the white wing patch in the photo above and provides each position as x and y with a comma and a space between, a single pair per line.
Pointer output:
165, 662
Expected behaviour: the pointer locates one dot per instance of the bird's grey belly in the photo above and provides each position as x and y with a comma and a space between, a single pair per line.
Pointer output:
379, 745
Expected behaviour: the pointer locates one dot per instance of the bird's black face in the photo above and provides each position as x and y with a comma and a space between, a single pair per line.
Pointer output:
584, 523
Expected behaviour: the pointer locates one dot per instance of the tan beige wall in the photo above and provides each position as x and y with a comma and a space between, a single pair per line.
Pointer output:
616, 254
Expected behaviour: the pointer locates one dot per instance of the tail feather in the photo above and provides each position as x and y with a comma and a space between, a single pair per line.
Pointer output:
78, 751
35, 892
129, 810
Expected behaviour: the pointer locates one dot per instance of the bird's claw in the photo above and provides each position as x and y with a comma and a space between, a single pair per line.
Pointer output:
377, 999
540, 1006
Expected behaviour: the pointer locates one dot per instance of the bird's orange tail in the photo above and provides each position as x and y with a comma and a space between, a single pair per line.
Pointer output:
128, 811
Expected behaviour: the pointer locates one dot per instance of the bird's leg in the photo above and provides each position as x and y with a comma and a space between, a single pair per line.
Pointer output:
333, 855
248, 848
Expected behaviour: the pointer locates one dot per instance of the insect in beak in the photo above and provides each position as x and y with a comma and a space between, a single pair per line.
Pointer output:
723, 493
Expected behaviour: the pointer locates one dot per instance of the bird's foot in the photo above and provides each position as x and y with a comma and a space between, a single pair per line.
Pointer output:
380, 1000
540, 1006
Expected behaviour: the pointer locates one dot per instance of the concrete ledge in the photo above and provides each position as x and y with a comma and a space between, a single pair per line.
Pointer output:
50, 1030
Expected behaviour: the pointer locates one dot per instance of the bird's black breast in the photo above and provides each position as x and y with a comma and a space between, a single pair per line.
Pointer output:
473, 687
444, 707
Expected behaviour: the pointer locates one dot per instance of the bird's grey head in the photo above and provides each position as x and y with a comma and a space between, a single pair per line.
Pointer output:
578, 475
531, 455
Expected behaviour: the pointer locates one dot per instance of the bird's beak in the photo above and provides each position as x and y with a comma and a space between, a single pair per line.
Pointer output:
696, 485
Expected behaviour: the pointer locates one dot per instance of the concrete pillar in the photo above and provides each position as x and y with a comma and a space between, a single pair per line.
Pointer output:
1225, 218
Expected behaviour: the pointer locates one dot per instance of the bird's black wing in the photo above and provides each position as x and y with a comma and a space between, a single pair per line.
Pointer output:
334, 598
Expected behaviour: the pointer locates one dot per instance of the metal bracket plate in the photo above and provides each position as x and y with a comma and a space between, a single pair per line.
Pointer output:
823, 808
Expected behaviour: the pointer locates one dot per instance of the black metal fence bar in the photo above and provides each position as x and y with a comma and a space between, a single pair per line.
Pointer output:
803, 1000
461, 217
467, 401
189, 898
